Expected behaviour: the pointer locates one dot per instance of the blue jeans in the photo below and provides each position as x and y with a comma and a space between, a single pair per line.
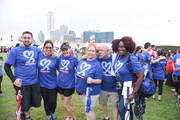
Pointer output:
122, 109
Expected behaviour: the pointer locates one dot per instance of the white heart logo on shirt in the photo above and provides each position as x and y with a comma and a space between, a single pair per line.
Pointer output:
45, 64
64, 64
29, 55
118, 65
84, 67
106, 67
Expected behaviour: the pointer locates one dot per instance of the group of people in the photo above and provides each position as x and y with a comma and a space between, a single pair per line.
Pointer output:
35, 75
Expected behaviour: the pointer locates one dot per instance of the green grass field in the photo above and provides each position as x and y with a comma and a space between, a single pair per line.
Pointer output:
164, 110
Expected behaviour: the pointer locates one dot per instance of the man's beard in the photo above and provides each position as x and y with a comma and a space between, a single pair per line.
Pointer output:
26, 45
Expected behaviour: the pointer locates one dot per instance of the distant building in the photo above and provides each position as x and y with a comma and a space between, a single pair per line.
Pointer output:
100, 37
55, 35
63, 31
50, 23
41, 36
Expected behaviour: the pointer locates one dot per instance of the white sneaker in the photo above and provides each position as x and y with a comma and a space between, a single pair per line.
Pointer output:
2, 94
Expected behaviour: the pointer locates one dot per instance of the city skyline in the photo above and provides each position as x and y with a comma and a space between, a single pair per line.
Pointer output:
154, 21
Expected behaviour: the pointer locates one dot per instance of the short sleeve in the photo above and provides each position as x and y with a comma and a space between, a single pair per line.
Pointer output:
174, 58
136, 65
11, 58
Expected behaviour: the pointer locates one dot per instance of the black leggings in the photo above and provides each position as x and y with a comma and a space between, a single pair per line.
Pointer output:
177, 86
50, 99
1, 77
160, 85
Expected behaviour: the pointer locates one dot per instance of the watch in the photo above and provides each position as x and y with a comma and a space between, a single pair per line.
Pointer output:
134, 93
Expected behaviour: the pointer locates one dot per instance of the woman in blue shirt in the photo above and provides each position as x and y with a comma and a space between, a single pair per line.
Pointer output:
159, 73
48, 79
138, 53
66, 84
124, 48
89, 73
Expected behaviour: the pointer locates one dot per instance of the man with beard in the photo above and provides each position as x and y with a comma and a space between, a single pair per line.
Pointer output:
108, 85
24, 59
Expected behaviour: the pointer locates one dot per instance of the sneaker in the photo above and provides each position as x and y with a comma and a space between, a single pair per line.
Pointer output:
178, 103
2, 94
173, 89
48, 118
147, 99
53, 116
68, 118
153, 98
106, 119
73, 118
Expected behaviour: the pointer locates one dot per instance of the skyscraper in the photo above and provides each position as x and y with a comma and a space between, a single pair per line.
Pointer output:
63, 31
50, 23
41, 36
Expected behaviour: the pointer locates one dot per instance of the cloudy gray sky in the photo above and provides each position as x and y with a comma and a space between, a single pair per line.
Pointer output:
155, 21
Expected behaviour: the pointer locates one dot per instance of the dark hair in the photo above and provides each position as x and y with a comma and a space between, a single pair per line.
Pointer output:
27, 32
137, 49
152, 45
48, 41
114, 44
129, 44
17, 44
65, 43
160, 52
146, 45
164, 53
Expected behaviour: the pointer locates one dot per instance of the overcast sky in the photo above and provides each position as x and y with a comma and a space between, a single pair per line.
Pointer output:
155, 21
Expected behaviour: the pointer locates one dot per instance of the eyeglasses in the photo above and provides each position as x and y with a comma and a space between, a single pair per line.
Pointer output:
48, 48
121, 47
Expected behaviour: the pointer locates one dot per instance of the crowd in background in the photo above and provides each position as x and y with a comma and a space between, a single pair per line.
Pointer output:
98, 69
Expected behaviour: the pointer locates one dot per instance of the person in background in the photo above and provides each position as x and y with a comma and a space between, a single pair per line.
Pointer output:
169, 70
148, 59
108, 85
153, 52
89, 73
124, 48
48, 79
1, 78
159, 73
66, 84
137, 53
176, 73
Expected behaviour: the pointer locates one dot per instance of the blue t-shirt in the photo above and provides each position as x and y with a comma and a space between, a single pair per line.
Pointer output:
159, 69
87, 69
121, 67
1, 71
147, 60
67, 71
176, 60
109, 82
47, 71
139, 56
24, 62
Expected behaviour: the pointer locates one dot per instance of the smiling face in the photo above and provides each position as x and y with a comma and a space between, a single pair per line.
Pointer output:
48, 49
121, 49
91, 53
27, 40
65, 52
